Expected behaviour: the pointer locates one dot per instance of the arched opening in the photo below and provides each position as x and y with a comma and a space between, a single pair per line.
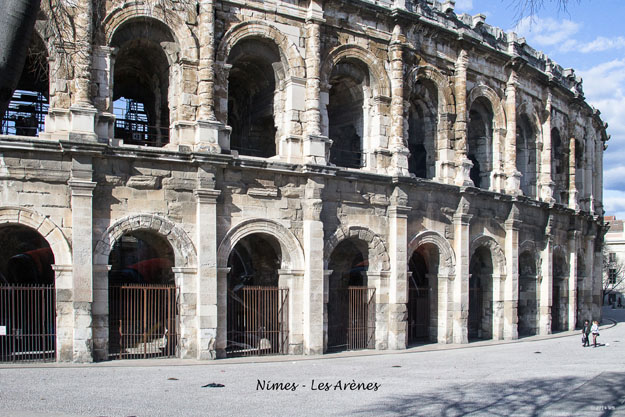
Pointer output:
143, 316
141, 79
28, 107
480, 142
560, 293
27, 296
422, 129
257, 319
480, 323
350, 309
559, 167
252, 81
422, 290
528, 295
348, 98
526, 155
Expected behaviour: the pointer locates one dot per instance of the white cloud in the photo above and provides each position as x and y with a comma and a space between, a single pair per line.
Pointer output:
546, 32
602, 43
614, 203
464, 5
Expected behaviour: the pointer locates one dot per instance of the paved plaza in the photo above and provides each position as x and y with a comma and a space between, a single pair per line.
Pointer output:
552, 376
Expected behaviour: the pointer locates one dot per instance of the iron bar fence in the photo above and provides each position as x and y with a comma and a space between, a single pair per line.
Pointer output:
258, 321
143, 321
361, 325
27, 323
418, 314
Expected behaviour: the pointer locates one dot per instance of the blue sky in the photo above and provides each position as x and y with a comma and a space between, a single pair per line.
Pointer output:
589, 37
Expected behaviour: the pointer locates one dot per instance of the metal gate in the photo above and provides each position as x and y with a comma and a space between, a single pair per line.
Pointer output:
475, 308
143, 321
258, 321
361, 325
418, 314
27, 323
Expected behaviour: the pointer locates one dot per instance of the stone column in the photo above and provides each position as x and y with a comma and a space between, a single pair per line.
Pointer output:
546, 182
511, 285
186, 286
294, 280
445, 165
546, 283
445, 319
399, 163
573, 201
597, 282
81, 188
315, 285
290, 146
380, 281
63, 287
326, 297
398, 285
513, 176
222, 312
572, 287
586, 287
100, 310
316, 146
460, 89
206, 241
460, 284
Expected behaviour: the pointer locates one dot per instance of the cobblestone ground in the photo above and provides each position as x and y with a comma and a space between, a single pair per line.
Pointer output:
532, 377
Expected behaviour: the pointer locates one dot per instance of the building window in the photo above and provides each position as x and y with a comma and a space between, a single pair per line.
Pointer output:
612, 276
612, 257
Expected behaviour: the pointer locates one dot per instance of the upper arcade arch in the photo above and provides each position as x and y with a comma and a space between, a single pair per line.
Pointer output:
497, 254
446, 102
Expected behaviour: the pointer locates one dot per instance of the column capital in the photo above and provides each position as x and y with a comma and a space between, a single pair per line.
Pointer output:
206, 196
81, 188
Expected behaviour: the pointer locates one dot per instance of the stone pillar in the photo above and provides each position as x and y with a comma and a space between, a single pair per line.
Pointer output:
445, 318
597, 282
81, 188
586, 287
398, 285
290, 147
186, 285
572, 284
445, 165
100, 310
573, 200
546, 183
206, 241
511, 285
545, 279
399, 163
63, 287
460, 284
326, 296
222, 312
380, 281
315, 284
460, 89
316, 147
513, 176
294, 280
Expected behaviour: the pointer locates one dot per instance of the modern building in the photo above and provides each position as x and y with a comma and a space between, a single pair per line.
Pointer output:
235, 177
614, 271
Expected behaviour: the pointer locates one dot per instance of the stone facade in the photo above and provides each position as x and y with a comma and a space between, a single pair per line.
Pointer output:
431, 141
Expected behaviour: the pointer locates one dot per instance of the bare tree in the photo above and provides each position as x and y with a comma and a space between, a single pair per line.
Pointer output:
613, 273
533, 7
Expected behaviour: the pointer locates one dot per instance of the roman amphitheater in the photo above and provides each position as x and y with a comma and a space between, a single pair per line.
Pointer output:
241, 177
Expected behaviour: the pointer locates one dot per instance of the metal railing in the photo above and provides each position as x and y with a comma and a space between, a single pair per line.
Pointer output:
25, 115
361, 325
27, 323
136, 132
143, 321
258, 321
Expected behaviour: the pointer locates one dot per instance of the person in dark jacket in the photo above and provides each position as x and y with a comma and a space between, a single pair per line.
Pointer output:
585, 333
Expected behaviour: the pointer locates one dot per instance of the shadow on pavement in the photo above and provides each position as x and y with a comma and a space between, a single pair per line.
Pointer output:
603, 395
616, 314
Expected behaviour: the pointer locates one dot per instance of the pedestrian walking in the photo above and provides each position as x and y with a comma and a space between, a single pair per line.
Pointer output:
595, 332
585, 333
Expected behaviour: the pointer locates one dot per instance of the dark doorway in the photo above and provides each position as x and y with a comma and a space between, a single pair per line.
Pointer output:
258, 312
528, 295
143, 314
559, 295
418, 300
480, 295
27, 296
351, 308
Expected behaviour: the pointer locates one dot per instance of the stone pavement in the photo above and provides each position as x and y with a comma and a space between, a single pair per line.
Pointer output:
552, 376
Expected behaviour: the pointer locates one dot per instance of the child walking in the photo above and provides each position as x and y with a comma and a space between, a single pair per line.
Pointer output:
595, 332
585, 333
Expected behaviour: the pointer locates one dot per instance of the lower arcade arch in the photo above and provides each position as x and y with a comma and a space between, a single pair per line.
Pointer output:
422, 294
559, 292
350, 308
528, 295
480, 321
143, 310
257, 306
27, 296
